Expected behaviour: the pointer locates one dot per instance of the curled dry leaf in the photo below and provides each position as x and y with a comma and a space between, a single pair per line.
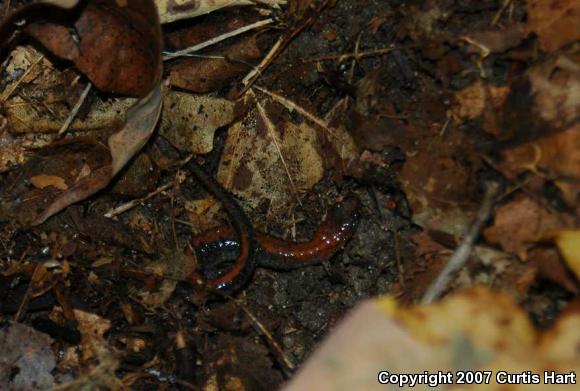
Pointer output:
557, 155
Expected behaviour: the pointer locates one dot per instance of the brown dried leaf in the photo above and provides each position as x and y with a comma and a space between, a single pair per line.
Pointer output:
521, 222
253, 168
498, 41
92, 328
480, 99
557, 155
118, 46
203, 75
556, 22
550, 266
556, 90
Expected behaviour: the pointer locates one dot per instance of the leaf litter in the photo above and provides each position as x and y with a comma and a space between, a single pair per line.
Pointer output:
292, 107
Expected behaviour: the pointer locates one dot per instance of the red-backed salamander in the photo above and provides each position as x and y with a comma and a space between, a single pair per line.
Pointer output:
330, 237
243, 268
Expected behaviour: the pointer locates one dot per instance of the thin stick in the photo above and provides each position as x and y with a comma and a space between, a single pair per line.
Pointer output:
73, 113
462, 253
139, 201
219, 38
7, 93
291, 106
345, 56
255, 72
133, 203
270, 127
286, 365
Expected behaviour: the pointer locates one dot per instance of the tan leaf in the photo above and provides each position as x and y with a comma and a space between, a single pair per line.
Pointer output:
42, 181
556, 22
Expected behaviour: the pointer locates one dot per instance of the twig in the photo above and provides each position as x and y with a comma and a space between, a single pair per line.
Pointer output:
286, 365
219, 38
257, 71
133, 203
291, 106
504, 6
462, 253
7, 93
139, 201
270, 128
73, 113
280, 44
345, 56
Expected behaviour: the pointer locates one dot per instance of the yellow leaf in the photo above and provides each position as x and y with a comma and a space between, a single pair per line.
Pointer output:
42, 181
568, 242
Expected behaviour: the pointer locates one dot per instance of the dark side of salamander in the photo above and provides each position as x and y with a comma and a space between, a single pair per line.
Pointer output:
219, 245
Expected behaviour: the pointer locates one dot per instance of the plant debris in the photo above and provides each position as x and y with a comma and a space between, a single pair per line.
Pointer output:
193, 194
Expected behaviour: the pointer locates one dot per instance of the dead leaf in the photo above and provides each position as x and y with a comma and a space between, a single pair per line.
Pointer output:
253, 168
27, 358
521, 222
190, 121
202, 75
556, 90
568, 242
103, 28
551, 267
131, 30
498, 41
475, 330
556, 156
480, 99
42, 181
92, 328
556, 22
